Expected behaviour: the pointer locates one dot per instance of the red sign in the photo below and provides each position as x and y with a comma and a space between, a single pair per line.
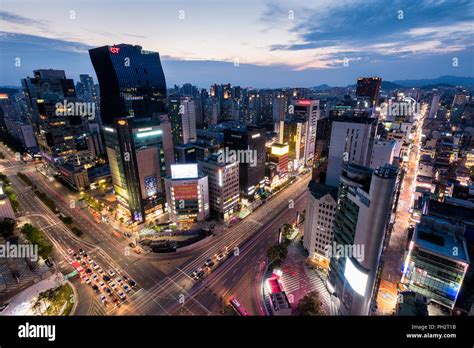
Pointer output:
304, 102
186, 192
114, 50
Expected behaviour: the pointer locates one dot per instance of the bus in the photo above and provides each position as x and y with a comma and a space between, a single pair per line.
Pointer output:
238, 307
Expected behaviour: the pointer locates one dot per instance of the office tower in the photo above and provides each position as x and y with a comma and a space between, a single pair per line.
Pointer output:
139, 154
319, 221
279, 106
321, 151
137, 134
279, 155
306, 110
383, 152
52, 99
254, 110
437, 260
131, 82
187, 194
368, 89
182, 115
249, 146
351, 142
223, 181
434, 106
294, 134
85, 88
365, 200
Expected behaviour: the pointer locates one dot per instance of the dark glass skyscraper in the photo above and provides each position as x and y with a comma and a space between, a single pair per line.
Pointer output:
131, 80
137, 133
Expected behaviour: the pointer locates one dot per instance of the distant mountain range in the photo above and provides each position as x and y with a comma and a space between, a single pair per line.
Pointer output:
443, 81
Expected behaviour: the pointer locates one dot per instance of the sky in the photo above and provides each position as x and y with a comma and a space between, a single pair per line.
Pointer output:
256, 43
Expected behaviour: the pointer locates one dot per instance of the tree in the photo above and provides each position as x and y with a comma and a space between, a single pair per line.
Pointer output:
310, 305
7, 226
277, 254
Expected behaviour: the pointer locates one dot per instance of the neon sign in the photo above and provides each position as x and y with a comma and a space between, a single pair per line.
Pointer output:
114, 50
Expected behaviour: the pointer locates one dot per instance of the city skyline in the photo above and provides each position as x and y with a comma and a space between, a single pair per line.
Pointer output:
265, 45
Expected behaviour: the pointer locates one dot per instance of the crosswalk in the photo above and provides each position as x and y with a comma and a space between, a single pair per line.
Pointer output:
25, 275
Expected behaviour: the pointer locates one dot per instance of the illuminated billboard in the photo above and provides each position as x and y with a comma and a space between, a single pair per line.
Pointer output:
356, 278
184, 171
185, 192
279, 149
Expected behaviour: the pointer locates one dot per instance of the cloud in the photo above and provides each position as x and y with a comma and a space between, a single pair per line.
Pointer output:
373, 29
20, 20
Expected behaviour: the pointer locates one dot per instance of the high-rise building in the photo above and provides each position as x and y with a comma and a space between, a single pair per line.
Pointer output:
223, 181
351, 142
437, 260
140, 153
434, 106
279, 107
383, 152
182, 115
187, 194
294, 134
52, 100
249, 146
131, 82
306, 110
368, 88
365, 200
137, 134
319, 220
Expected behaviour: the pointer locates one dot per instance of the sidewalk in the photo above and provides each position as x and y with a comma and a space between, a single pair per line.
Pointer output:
22, 303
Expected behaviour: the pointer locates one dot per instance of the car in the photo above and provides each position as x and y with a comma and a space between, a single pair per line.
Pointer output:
106, 278
95, 266
111, 272
125, 277
112, 285
220, 256
75, 255
103, 299
209, 263
88, 271
107, 290
121, 295
200, 274
95, 277
132, 283
95, 288
81, 251
102, 285
119, 281
79, 269
84, 264
90, 260
70, 251
88, 280
126, 288
4, 306
100, 271
116, 302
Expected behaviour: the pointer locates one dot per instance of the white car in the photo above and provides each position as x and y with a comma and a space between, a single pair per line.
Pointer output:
121, 295
95, 277
120, 281
111, 272
101, 272
102, 285
112, 285
70, 251
88, 281
95, 266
